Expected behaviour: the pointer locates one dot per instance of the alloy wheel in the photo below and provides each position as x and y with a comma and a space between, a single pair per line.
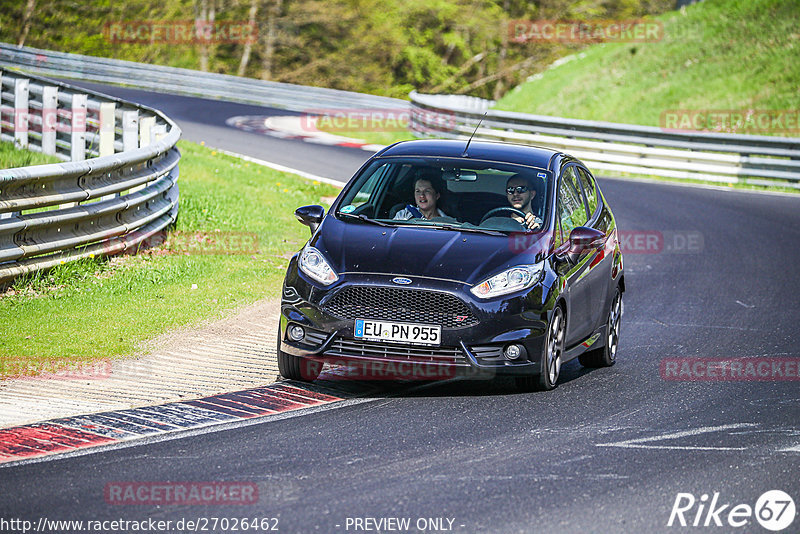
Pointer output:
614, 320
555, 345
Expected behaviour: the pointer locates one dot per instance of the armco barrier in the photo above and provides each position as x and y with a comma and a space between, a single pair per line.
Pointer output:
125, 191
173, 80
619, 148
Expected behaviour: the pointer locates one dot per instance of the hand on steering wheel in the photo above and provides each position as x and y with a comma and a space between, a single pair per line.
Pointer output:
512, 211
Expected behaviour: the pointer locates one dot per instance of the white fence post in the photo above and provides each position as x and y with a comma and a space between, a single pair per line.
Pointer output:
130, 130
107, 128
158, 132
130, 136
2, 215
78, 128
21, 112
145, 127
49, 119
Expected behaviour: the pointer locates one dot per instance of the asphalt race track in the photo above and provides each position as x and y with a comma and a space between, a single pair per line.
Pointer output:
204, 120
709, 274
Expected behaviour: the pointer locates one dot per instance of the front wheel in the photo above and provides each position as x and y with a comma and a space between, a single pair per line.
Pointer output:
551, 358
296, 368
606, 355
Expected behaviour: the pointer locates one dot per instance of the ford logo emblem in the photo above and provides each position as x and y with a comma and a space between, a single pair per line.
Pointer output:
401, 280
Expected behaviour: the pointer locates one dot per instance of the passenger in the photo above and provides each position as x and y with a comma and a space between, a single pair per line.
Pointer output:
426, 194
521, 192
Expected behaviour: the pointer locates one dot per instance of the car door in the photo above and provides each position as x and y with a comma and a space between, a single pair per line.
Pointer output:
572, 213
599, 269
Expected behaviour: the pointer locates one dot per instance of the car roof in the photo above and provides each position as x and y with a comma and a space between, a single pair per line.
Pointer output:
482, 150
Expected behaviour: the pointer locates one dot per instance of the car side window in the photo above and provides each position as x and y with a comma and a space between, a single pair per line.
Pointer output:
559, 235
589, 189
364, 193
572, 210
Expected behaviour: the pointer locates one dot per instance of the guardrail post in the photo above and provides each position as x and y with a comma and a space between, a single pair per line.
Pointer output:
130, 136
146, 125
158, 132
78, 128
107, 128
21, 112
49, 119
1, 101
130, 130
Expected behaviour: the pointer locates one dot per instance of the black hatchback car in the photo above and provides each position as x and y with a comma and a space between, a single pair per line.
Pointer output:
441, 258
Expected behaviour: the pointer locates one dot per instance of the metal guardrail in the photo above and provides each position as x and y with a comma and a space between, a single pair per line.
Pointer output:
189, 82
56, 213
619, 148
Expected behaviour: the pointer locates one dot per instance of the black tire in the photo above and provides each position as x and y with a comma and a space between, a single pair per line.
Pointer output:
606, 355
296, 368
552, 353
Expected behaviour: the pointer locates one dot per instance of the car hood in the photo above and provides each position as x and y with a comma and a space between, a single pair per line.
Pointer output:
466, 257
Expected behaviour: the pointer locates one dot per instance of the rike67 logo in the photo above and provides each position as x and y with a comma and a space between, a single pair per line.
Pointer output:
774, 510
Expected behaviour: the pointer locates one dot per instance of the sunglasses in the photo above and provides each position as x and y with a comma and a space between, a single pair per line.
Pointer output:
518, 190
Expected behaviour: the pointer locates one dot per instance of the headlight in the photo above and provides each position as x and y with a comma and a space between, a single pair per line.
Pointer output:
509, 281
313, 263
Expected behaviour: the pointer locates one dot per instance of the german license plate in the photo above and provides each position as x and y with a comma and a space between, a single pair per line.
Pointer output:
419, 334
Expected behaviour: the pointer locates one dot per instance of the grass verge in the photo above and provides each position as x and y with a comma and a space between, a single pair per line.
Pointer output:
714, 55
100, 308
11, 157
728, 57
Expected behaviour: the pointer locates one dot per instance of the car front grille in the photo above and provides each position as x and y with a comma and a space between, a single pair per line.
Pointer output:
396, 352
405, 305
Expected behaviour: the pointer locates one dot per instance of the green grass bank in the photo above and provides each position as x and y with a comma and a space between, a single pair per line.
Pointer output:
714, 55
101, 308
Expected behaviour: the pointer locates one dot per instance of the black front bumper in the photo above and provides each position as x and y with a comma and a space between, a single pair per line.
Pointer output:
471, 350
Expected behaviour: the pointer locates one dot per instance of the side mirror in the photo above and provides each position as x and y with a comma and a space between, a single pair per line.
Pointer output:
311, 216
583, 239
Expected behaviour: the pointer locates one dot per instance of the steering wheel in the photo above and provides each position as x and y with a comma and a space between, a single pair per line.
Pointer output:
513, 211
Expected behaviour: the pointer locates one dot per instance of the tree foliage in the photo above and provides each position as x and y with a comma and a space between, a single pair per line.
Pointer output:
371, 46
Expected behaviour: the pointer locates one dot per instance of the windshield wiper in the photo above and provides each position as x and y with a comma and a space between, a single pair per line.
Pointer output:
472, 229
362, 217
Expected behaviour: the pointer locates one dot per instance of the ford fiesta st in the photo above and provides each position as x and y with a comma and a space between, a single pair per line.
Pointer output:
442, 256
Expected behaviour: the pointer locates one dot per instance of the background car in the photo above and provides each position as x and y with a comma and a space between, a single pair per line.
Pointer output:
473, 289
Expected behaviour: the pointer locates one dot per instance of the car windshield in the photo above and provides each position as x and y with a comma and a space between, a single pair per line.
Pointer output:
457, 194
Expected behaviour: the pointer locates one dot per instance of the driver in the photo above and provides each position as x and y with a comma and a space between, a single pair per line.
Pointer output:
426, 194
521, 192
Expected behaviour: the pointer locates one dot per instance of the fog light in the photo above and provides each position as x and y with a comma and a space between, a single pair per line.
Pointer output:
296, 333
514, 352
